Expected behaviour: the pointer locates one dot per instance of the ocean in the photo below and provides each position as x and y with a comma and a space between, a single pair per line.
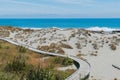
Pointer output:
84, 23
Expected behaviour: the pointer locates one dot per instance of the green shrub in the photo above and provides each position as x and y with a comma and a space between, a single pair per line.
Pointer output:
57, 60
39, 74
63, 61
67, 61
7, 47
8, 76
22, 49
17, 65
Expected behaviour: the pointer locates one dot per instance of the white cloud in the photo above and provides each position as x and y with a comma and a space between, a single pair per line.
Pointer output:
83, 8
17, 2
17, 7
83, 2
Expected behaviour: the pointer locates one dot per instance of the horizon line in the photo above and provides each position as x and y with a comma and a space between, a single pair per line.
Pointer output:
63, 18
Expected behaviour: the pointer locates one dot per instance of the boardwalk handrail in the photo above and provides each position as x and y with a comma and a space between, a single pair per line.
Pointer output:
71, 77
77, 73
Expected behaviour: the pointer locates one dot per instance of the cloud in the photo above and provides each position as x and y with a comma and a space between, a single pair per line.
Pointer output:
18, 2
82, 2
55, 8
20, 7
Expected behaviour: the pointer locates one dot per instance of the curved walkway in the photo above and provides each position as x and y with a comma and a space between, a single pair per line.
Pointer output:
82, 70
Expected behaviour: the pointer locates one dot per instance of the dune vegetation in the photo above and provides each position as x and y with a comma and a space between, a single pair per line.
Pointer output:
19, 63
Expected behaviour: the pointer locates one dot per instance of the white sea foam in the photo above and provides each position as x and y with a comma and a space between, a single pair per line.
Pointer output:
41, 28
31, 28
102, 29
96, 28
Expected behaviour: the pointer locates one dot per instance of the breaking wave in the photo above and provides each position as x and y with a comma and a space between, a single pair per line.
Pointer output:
97, 28
102, 29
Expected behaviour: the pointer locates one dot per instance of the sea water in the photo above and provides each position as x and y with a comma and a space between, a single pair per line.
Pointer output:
84, 23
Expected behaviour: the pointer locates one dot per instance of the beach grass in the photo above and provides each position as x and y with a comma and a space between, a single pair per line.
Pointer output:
12, 58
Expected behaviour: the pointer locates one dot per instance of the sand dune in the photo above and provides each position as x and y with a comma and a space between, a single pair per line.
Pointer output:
101, 49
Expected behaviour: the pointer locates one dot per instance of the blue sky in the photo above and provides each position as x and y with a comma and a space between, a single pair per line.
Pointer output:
60, 8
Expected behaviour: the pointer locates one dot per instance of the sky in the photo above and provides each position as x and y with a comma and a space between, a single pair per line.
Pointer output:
59, 8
